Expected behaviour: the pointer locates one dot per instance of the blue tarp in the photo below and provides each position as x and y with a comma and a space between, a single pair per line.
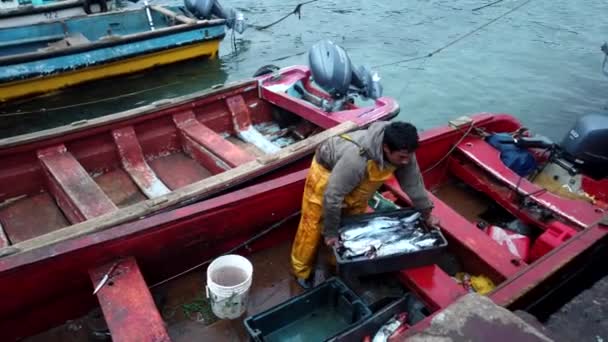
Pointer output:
520, 160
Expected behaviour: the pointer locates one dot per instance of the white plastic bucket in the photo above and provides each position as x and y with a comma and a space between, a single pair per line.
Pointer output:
228, 281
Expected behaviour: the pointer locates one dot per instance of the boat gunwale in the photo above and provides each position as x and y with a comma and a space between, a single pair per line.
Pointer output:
115, 41
115, 118
153, 222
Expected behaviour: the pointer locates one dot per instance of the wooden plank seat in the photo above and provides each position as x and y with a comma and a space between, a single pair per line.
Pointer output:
208, 147
127, 304
77, 194
431, 284
241, 119
133, 161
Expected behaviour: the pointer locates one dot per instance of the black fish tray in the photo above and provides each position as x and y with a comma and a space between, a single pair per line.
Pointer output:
363, 265
416, 311
316, 315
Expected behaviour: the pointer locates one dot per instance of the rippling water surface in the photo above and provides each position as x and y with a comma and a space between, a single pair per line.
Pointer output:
540, 63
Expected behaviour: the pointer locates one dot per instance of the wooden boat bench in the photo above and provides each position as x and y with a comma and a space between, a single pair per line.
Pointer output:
244, 127
171, 14
127, 304
208, 147
79, 197
133, 161
432, 285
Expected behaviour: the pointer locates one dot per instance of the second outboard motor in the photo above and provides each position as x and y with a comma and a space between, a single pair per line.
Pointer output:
334, 72
585, 145
205, 9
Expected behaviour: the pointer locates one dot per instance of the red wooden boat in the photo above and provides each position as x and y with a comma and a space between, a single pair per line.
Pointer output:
464, 175
98, 173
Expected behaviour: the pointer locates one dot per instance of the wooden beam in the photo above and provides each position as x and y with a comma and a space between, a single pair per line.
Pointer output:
133, 161
4, 242
127, 304
437, 293
203, 156
190, 127
193, 192
171, 14
77, 194
241, 119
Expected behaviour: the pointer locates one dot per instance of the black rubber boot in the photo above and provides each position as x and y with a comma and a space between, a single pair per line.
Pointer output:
305, 283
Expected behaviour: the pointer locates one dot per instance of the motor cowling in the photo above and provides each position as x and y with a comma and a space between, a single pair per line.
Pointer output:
585, 145
334, 72
205, 9
331, 68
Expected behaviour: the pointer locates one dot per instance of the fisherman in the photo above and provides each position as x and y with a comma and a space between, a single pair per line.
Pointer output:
345, 173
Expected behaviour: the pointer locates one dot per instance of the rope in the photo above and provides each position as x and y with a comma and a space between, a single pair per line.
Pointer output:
457, 39
605, 50
488, 5
471, 126
296, 10
232, 250
44, 110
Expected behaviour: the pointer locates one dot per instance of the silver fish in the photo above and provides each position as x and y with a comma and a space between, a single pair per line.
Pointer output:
373, 225
425, 243
412, 218
397, 247
379, 234
389, 328
384, 236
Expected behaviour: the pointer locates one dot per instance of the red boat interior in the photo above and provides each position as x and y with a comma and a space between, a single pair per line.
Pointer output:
475, 196
83, 174
78, 179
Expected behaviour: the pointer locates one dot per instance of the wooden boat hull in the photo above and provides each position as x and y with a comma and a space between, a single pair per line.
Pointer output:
90, 55
54, 278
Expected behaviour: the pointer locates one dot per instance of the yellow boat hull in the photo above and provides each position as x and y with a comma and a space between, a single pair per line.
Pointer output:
29, 87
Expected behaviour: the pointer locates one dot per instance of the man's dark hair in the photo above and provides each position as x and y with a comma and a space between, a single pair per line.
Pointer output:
401, 136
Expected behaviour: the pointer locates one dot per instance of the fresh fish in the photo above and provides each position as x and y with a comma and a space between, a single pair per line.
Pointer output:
378, 223
397, 247
360, 246
412, 218
389, 328
379, 234
425, 243
384, 236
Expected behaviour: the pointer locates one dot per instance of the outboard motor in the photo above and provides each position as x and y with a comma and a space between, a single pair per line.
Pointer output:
205, 9
333, 71
586, 145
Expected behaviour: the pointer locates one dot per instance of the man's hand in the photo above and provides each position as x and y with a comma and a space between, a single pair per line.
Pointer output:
430, 220
331, 241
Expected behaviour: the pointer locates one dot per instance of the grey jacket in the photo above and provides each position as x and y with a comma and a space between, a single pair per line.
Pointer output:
348, 168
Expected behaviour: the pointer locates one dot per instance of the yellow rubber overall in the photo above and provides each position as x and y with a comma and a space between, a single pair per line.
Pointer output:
308, 236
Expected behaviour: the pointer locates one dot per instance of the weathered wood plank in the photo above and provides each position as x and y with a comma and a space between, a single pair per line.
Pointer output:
79, 197
127, 304
133, 161
173, 15
190, 127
